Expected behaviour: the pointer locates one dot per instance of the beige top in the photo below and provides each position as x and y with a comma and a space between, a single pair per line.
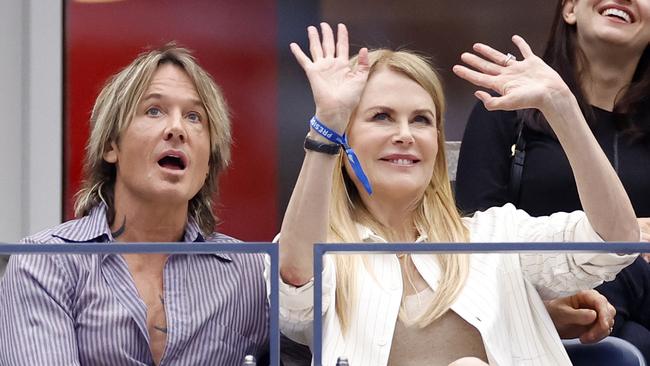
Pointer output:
440, 343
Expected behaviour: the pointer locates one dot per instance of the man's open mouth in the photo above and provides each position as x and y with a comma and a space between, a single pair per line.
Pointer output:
172, 162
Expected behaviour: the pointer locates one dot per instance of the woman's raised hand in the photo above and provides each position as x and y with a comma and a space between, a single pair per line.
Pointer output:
335, 85
529, 83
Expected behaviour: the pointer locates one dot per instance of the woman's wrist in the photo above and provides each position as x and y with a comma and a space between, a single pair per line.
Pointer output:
336, 120
559, 101
342, 140
317, 137
318, 143
562, 112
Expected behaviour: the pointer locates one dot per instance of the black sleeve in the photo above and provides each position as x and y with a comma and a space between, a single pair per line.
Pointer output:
484, 159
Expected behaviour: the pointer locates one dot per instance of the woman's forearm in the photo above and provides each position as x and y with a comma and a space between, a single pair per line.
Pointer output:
337, 88
602, 195
306, 218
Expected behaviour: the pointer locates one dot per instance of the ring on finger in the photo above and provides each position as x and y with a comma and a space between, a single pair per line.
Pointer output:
508, 58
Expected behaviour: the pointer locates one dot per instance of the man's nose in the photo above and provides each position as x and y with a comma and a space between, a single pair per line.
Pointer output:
175, 127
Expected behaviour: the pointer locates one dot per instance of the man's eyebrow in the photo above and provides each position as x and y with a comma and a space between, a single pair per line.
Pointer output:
194, 101
152, 96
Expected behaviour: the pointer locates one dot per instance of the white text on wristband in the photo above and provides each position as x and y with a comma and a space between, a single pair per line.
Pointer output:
334, 137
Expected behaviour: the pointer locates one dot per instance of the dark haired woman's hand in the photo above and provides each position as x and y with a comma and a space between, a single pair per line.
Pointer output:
336, 86
586, 314
529, 83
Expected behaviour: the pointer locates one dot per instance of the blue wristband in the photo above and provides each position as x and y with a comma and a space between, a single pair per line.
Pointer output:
334, 137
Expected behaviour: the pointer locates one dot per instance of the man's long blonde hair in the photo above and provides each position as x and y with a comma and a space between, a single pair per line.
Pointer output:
113, 112
436, 215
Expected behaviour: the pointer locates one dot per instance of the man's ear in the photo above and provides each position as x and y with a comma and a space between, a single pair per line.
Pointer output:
568, 11
110, 154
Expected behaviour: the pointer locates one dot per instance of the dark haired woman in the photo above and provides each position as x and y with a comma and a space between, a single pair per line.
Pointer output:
600, 48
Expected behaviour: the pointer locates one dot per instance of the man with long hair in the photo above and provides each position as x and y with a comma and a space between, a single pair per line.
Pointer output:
160, 136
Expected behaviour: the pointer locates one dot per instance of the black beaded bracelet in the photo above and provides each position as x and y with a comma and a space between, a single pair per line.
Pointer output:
322, 147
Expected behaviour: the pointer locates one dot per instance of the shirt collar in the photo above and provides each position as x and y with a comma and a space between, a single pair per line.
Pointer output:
93, 228
193, 235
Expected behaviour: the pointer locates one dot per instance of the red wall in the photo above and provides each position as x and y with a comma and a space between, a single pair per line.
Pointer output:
235, 41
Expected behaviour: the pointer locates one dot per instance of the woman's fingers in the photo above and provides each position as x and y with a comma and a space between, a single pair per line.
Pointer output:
481, 64
474, 77
327, 47
520, 84
493, 103
606, 321
524, 48
491, 54
300, 56
482, 96
495, 61
315, 47
363, 64
328, 40
342, 45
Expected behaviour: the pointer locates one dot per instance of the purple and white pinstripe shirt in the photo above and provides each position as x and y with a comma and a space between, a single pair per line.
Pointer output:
85, 309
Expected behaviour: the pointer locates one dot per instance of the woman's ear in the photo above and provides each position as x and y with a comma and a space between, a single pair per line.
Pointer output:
110, 154
568, 11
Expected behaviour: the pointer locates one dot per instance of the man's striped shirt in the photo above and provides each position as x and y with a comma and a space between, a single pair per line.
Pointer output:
74, 309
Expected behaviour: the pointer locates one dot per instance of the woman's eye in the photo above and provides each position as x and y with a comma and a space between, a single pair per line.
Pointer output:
422, 119
153, 112
381, 117
194, 117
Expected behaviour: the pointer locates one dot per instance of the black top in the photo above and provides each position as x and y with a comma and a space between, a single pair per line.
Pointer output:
547, 186
547, 183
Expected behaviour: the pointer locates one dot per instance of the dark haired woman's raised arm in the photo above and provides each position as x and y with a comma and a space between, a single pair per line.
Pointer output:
531, 83
337, 89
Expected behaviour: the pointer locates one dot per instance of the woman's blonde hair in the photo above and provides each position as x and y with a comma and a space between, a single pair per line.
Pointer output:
115, 108
436, 215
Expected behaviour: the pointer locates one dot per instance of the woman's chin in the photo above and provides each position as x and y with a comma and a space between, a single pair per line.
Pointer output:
402, 190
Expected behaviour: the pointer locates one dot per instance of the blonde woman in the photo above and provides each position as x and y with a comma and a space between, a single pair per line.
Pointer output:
432, 309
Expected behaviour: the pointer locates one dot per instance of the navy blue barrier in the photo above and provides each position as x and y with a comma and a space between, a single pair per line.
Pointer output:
175, 248
322, 249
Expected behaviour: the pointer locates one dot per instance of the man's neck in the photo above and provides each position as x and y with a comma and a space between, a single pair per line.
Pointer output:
148, 223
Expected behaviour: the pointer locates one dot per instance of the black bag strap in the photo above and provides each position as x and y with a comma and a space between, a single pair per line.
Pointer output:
517, 164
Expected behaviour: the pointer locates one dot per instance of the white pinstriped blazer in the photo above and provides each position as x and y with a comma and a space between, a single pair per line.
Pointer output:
501, 297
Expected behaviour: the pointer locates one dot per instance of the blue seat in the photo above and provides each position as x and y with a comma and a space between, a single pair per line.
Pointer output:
609, 351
